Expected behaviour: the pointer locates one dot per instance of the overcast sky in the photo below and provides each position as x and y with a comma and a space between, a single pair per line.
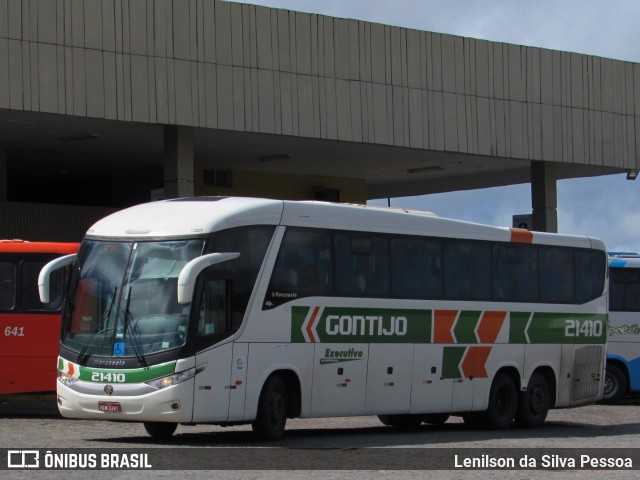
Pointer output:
603, 207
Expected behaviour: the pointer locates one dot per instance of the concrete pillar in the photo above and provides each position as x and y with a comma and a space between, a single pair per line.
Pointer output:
178, 162
4, 174
544, 197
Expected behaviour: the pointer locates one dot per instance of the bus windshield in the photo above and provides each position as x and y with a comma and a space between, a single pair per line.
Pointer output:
123, 298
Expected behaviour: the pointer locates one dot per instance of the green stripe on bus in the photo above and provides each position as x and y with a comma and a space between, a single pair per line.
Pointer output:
298, 315
451, 358
136, 375
360, 325
388, 325
464, 330
517, 327
562, 328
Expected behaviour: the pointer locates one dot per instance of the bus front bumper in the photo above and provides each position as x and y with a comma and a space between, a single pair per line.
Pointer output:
171, 404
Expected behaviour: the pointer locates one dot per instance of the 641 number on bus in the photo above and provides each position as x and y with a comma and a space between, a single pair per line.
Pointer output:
14, 332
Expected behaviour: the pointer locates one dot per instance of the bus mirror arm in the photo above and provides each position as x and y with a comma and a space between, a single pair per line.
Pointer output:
189, 273
43, 277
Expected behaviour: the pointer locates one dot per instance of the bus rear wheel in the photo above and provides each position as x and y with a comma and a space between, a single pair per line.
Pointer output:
161, 430
615, 385
534, 403
272, 410
503, 403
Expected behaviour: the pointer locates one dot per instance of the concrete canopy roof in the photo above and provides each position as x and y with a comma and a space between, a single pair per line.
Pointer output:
52, 146
85, 89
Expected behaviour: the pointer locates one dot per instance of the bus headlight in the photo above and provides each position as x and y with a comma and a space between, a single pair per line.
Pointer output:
65, 379
174, 379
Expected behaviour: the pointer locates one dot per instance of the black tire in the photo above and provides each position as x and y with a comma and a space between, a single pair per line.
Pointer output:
503, 404
404, 421
534, 403
272, 410
436, 418
615, 385
161, 430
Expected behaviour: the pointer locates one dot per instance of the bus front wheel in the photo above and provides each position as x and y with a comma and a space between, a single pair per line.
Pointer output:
160, 429
272, 410
615, 385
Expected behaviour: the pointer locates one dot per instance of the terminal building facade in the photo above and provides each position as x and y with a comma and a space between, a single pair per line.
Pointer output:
109, 103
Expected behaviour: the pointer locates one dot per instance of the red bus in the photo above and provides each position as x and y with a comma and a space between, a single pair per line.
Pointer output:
29, 329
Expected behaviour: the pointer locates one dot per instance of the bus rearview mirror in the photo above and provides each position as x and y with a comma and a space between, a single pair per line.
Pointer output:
190, 272
45, 274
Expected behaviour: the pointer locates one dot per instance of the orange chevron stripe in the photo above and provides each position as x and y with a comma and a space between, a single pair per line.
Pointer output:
443, 321
474, 362
310, 325
71, 370
490, 325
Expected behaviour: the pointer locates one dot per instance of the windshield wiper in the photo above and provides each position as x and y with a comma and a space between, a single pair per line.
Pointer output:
133, 334
99, 329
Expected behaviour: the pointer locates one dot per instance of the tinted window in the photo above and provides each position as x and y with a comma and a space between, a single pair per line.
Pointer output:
343, 263
416, 268
361, 264
590, 272
7, 285
252, 243
303, 265
467, 270
624, 290
213, 315
515, 272
556, 275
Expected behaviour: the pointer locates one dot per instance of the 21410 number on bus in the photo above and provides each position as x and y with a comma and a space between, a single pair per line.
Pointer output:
583, 328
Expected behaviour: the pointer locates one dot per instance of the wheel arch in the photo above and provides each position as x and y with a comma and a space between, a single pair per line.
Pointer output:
511, 371
292, 383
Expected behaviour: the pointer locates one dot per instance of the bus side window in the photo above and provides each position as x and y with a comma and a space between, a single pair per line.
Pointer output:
416, 268
467, 270
515, 273
556, 275
624, 290
7, 285
213, 315
589, 275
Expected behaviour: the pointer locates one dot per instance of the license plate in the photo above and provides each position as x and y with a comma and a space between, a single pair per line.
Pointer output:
109, 406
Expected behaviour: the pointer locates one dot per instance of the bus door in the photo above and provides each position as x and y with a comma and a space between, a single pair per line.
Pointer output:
212, 385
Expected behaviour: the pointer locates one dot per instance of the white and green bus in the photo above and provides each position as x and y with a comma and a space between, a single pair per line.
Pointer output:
235, 310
